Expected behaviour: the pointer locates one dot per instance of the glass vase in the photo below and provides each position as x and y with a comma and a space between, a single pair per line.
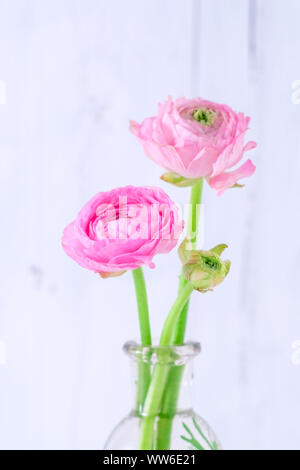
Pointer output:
162, 416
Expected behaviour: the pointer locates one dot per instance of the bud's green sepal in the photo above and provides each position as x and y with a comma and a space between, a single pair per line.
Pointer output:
203, 269
178, 180
184, 251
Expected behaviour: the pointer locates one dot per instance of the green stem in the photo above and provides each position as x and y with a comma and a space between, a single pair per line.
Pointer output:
144, 370
194, 213
172, 388
160, 374
182, 320
142, 304
169, 407
192, 233
172, 318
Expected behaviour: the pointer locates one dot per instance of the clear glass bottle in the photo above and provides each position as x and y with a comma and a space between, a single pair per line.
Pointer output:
172, 424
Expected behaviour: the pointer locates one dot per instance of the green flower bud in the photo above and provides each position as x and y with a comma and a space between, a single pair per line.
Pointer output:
178, 180
204, 269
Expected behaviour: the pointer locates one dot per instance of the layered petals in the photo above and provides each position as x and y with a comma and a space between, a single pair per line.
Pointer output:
196, 138
123, 229
228, 179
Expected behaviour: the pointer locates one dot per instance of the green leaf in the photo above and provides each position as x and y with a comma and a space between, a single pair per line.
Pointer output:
194, 441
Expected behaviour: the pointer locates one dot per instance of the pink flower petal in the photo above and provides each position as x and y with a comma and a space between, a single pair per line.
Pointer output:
145, 222
176, 141
202, 164
231, 155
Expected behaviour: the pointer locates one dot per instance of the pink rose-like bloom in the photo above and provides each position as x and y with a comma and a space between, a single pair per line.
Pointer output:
197, 138
123, 229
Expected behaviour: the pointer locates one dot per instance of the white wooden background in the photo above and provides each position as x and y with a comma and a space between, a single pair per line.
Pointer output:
76, 71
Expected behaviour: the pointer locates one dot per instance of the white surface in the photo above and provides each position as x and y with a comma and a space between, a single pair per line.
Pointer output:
75, 72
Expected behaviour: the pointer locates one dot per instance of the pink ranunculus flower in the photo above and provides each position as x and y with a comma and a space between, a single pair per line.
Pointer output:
123, 229
197, 138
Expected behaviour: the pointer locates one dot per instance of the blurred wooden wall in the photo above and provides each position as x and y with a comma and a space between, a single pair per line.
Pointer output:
75, 72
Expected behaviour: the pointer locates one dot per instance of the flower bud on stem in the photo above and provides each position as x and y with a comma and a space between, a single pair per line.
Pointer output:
204, 269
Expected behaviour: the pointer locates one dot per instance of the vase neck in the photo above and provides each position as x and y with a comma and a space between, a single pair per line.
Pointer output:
175, 364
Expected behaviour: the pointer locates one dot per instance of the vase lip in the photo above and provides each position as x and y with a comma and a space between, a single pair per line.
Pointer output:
173, 353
